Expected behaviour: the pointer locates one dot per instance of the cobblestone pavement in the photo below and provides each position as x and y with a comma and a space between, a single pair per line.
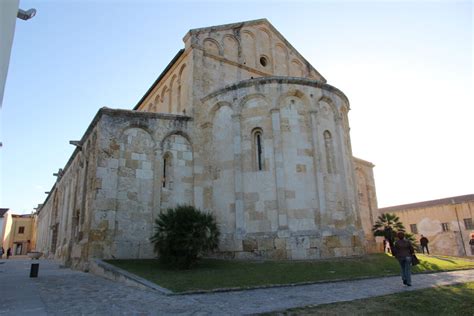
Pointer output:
61, 291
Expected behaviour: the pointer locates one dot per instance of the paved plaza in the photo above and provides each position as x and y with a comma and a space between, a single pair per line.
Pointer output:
61, 291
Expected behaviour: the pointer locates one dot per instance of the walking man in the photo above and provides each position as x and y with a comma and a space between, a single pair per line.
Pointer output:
424, 244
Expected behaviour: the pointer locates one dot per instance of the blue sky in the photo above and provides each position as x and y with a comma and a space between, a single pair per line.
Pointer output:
406, 68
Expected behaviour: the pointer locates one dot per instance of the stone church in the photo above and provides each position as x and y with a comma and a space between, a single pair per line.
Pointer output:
239, 124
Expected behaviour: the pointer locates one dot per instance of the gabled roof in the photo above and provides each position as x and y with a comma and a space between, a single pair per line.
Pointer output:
228, 26
251, 23
3, 211
451, 200
221, 28
163, 73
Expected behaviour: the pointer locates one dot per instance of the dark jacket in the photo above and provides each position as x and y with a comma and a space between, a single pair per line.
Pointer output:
424, 241
403, 248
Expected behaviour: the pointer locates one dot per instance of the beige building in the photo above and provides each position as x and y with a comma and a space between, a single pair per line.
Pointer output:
239, 124
3, 216
447, 223
19, 233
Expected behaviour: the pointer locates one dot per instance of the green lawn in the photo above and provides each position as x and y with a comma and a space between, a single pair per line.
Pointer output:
444, 300
214, 274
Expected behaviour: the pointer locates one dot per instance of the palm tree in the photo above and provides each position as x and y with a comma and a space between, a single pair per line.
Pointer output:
183, 234
387, 225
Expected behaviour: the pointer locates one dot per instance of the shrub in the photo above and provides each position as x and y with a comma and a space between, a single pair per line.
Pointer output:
184, 233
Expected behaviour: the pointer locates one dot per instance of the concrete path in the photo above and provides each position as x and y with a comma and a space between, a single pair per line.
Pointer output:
60, 291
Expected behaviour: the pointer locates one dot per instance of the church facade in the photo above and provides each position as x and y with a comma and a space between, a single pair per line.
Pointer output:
239, 124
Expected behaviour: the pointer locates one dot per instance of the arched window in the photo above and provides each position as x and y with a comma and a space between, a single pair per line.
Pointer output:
329, 148
257, 148
167, 160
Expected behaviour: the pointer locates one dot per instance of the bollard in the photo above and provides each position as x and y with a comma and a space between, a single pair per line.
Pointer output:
34, 270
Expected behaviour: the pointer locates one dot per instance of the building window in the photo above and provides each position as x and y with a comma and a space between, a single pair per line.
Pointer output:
164, 172
445, 227
413, 229
258, 152
21, 230
468, 223
167, 159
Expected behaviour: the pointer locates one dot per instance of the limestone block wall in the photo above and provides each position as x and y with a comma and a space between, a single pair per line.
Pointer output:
444, 222
218, 56
367, 200
232, 53
292, 197
63, 222
42, 231
104, 202
172, 94
144, 166
264, 145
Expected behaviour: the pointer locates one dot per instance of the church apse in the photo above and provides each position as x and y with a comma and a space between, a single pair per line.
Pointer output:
239, 125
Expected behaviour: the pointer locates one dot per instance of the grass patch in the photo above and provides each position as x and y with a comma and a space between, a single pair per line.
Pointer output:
442, 300
214, 274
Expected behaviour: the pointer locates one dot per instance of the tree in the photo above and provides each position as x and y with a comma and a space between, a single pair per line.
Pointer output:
387, 225
184, 233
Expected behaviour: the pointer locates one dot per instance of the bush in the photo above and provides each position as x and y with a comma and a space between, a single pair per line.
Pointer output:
183, 234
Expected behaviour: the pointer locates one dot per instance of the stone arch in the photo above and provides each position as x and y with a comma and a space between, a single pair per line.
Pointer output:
182, 88
281, 60
296, 142
164, 98
266, 39
331, 104
245, 101
179, 187
175, 132
139, 126
249, 50
173, 94
295, 93
135, 183
163, 92
181, 70
166, 175
212, 46
216, 107
329, 151
156, 102
231, 47
248, 97
258, 150
296, 68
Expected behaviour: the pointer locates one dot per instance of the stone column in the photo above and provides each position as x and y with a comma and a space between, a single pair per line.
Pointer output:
238, 178
279, 174
319, 185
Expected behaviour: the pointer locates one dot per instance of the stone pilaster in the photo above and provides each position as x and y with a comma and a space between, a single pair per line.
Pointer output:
319, 185
279, 172
238, 180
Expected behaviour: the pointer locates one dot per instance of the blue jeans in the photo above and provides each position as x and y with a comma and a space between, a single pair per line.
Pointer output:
405, 264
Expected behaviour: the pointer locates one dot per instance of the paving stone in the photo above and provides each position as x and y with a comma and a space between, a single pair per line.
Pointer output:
61, 291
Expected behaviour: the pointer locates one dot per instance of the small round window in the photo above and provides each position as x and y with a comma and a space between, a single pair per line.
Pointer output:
263, 61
